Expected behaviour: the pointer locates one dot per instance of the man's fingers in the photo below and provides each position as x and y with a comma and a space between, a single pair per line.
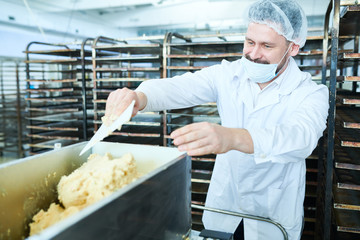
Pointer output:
118, 101
112, 102
180, 131
186, 135
186, 129
200, 151
196, 143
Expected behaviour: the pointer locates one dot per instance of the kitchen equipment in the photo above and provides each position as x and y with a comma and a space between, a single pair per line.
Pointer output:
155, 206
276, 224
105, 130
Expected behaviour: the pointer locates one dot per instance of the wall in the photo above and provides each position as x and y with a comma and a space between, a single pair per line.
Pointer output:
19, 26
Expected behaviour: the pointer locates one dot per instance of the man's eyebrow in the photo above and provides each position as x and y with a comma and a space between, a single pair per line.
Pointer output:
263, 43
269, 43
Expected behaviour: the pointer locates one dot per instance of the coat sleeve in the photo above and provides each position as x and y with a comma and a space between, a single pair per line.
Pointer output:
182, 91
295, 138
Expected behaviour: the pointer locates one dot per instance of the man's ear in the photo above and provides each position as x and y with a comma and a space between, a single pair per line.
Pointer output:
294, 50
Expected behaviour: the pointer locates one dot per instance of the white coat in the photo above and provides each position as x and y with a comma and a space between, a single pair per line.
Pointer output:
285, 121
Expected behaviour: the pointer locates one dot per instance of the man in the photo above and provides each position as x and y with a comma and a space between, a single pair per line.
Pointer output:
272, 116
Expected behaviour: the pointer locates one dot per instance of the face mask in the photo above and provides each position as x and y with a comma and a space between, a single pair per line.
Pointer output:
259, 72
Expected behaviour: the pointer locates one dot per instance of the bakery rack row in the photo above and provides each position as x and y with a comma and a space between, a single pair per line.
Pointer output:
339, 196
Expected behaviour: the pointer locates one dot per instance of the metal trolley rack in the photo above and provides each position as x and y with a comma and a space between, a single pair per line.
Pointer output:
12, 86
341, 177
310, 60
188, 54
58, 78
126, 63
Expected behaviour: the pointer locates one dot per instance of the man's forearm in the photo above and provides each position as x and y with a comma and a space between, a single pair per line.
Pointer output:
242, 140
142, 100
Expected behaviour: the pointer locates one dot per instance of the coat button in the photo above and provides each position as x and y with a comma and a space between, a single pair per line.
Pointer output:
262, 155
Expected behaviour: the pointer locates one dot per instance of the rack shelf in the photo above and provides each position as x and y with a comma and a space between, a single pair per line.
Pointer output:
127, 63
12, 114
58, 82
341, 182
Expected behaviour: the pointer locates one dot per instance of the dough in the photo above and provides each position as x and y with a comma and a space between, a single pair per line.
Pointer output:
109, 120
54, 214
97, 178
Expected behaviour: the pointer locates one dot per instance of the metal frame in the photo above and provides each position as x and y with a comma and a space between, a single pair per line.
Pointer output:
331, 117
126, 63
83, 79
321, 167
329, 196
97, 40
12, 108
76, 58
278, 225
165, 74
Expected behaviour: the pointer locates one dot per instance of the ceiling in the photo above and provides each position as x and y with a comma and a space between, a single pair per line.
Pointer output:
136, 17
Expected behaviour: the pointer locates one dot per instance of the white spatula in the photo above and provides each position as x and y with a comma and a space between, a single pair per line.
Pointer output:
105, 131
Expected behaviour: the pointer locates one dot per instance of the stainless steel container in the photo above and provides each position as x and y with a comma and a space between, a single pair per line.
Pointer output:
155, 206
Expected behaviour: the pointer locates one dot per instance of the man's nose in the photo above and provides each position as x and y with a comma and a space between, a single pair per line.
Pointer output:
255, 53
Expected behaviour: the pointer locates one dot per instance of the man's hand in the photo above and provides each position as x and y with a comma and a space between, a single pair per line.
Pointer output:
209, 138
120, 99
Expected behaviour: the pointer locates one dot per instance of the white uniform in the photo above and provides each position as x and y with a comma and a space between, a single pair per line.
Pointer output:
285, 121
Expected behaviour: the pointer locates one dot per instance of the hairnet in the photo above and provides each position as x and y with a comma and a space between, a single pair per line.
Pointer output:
286, 17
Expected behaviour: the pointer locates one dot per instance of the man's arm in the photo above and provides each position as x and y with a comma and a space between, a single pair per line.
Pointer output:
209, 138
183, 91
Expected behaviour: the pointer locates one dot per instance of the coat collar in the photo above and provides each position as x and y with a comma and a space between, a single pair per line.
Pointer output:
286, 83
290, 78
